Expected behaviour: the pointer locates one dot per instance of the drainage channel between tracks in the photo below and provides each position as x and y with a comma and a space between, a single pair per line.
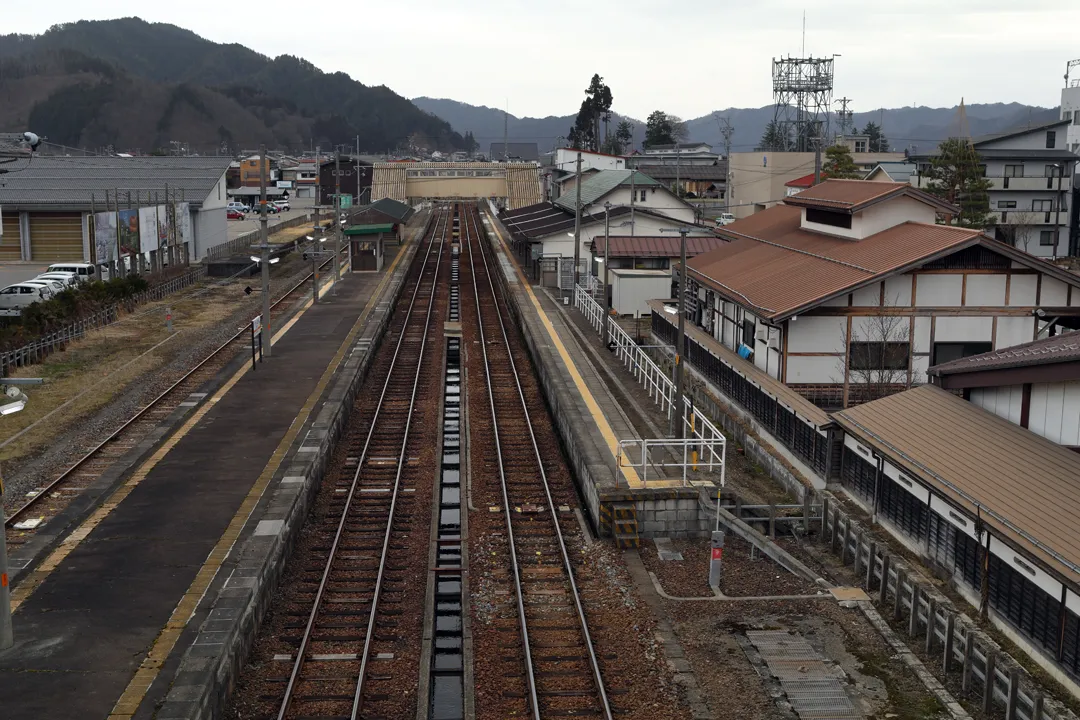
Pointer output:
447, 670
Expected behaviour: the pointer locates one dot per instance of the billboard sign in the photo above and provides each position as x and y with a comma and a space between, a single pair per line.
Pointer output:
105, 237
128, 231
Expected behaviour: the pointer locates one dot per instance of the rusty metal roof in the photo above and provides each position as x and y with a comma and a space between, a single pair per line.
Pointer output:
1058, 349
776, 268
1025, 487
854, 195
655, 246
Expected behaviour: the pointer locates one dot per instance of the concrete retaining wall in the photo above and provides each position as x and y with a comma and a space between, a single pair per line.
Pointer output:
211, 665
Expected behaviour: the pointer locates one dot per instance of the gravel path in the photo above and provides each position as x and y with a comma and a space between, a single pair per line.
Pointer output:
183, 353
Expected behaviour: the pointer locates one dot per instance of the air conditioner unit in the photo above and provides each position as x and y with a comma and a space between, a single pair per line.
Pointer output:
774, 342
762, 333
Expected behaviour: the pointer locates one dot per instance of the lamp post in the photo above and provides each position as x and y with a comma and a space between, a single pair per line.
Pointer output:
17, 401
316, 252
264, 254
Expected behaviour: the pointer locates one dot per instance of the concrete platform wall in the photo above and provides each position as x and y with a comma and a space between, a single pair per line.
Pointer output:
211, 665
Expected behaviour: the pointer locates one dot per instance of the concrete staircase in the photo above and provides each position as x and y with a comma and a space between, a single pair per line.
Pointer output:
619, 520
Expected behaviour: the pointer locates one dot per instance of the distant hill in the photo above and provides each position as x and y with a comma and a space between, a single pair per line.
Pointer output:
175, 85
486, 124
922, 127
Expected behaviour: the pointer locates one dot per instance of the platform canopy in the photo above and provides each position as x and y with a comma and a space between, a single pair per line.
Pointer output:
369, 229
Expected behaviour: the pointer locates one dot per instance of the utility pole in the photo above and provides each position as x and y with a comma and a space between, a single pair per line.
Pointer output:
633, 192
678, 156
817, 156
337, 214
506, 134
577, 225
264, 247
729, 187
844, 116
678, 413
607, 247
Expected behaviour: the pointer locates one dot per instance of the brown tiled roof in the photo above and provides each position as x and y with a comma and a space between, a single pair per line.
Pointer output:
776, 268
1025, 488
1058, 349
662, 246
854, 195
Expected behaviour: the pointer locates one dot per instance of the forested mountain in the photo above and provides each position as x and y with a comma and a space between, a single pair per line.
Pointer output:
174, 85
906, 128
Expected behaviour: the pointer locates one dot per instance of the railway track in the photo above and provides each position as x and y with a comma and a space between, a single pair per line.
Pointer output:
559, 665
57, 494
352, 615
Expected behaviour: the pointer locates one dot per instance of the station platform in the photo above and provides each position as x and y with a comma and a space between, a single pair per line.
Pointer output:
595, 404
101, 620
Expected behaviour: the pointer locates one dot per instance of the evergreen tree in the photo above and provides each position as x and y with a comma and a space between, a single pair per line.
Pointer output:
772, 139
663, 129
596, 107
839, 165
958, 176
878, 141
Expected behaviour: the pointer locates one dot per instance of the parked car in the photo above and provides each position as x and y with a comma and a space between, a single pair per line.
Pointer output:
15, 297
67, 279
53, 286
85, 271
233, 214
283, 205
725, 219
239, 207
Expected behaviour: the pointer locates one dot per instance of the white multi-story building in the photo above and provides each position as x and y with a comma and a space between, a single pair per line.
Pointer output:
1031, 180
1070, 112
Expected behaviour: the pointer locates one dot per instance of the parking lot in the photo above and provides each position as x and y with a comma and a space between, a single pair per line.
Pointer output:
251, 221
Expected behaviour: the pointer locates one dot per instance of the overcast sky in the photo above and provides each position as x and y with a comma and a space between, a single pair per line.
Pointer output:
688, 58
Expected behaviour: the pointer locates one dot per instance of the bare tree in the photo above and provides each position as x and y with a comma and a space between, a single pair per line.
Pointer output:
1021, 228
878, 358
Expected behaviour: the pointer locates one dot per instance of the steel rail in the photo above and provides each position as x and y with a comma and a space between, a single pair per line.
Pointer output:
597, 677
298, 661
10, 520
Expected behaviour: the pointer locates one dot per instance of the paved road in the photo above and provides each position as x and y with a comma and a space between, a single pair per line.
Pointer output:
11, 273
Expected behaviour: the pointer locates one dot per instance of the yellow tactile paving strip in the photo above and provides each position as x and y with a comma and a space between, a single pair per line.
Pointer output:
165, 642
633, 480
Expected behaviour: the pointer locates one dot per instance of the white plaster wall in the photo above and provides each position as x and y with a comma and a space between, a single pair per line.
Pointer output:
816, 369
1022, 290
883, 216
870, 328
921, 339
1054, 292
658, 199
816, 334
898, 291
939, 290
963, 329
1055, 411
841, 301
919, 366
985, 290
1014, 331
1003, 401
869, 296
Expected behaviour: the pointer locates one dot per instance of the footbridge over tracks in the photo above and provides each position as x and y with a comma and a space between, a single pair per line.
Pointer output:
510, 185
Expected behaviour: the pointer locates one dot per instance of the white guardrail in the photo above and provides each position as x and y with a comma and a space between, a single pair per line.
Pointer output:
704, 445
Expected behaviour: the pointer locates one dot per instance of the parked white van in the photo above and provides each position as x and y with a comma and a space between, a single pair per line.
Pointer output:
85, 271
15, 297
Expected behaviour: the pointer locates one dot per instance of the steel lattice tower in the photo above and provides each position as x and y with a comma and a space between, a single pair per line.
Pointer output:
802, 93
